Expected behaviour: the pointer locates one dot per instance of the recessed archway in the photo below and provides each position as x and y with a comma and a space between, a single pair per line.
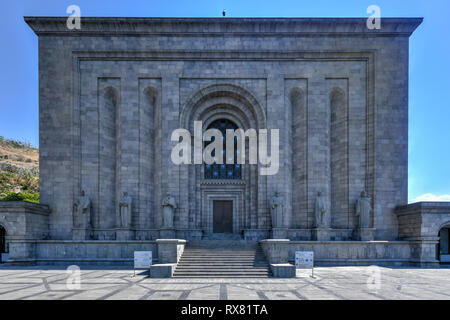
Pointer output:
443, 250
233, 104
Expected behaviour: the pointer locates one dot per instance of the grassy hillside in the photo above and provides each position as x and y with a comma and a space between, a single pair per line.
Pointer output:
19, 171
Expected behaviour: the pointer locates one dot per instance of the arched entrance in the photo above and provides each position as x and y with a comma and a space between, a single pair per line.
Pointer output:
443, 250
2, 242
224, 198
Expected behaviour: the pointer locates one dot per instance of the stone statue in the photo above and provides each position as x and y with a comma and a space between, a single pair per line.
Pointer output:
364, 210
321, 211
169, 205
276, 207
125, 210
82, 209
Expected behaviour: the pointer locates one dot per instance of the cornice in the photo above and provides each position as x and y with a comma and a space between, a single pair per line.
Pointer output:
122, 26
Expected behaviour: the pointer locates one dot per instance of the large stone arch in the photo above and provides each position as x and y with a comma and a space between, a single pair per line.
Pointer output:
4, 226
444, 224
227, 92
223, 101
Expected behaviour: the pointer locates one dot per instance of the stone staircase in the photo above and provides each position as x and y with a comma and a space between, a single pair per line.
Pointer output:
222, 259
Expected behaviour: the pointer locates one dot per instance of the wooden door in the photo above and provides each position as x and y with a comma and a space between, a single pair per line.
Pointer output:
222, 216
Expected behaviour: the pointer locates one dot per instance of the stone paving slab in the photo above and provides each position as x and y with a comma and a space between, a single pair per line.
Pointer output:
346, 283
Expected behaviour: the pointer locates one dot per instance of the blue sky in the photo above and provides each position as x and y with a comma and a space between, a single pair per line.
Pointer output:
429, 97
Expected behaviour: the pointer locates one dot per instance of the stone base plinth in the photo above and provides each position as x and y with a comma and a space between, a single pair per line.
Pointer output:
279, 233
81, 234
170, 250
366, 234
162, 270
167, 233
283, 270
276, 250
321, 234
124, 234
256, 234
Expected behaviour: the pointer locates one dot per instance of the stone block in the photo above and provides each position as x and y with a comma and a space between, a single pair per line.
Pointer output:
124, 234
279, 233
170, 250
167, 233
81, 234
366, 234
322, 234
282, 270
276, 250
163, 270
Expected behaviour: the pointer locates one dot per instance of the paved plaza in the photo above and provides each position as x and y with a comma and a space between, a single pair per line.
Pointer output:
46, 283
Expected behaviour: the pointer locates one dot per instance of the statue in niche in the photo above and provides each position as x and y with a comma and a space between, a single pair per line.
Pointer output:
364, 210
276, 208
82, 211
169, 205
125, 210
320, 211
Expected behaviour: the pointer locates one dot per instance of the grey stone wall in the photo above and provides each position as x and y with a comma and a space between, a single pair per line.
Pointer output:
422, 220
181, 57
334, 253
78, 252
420, 223
24, 220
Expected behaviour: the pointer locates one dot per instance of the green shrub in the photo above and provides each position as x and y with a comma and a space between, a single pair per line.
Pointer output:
15, 144
27, 195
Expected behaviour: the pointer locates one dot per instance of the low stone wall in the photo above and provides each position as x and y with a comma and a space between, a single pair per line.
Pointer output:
420, 223
341, 253
422, 220
78, 252
333, 253
308, 234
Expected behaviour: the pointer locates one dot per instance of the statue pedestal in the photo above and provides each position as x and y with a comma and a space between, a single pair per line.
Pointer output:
279, 233
81, 234
124, 234
366, 234
321, 234
167, 233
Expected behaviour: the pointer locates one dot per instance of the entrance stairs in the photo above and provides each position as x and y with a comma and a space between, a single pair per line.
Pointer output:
222, 259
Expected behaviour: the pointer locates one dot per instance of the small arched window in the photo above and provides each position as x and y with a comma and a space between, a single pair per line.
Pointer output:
224, 170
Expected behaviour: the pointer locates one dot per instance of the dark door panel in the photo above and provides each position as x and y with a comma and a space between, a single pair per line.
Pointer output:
222, 216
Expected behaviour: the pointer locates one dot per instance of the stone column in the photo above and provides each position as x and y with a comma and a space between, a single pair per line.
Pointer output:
318, 143
276, 118
169, 172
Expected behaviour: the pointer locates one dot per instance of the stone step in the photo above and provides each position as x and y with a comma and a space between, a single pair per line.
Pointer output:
208, 262
223, 270
225, 244
221, 276
222, 259
220, 272
218, 252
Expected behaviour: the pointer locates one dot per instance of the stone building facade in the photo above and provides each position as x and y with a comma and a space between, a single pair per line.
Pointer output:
112, 93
